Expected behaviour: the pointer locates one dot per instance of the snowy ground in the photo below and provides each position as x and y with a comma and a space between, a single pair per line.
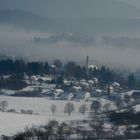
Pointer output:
40, 105
13, 122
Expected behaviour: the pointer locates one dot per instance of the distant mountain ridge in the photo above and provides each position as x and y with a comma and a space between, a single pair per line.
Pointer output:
74, 8
28, 20
24, 19
91, 9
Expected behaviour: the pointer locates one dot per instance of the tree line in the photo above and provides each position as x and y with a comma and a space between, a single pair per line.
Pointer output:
70, 70
94, 127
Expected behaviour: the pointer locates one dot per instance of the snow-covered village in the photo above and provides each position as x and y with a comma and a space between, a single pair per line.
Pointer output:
69, 69
84, 101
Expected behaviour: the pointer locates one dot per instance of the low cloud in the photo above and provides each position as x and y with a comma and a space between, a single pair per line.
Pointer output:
82, 40
117, 52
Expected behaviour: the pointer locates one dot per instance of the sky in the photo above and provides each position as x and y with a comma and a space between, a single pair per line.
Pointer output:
135, 3
72, 8
71, 30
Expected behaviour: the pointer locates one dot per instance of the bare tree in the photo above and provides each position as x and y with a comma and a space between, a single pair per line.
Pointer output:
128, 130
53, 109
96, 123
119, 104
81, 131
70, 69
69, 108
115, 130
83, 108
57, 63
3, 105
127, 99
106, 107
63, 131
96, 105
51, 129
40, 81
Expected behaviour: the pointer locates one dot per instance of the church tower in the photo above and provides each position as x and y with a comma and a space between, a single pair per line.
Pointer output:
87, 63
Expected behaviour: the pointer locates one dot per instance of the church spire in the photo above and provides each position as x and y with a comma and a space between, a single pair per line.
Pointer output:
87, 62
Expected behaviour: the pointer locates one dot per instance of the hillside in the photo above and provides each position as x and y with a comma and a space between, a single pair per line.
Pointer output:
74, 8
23, 19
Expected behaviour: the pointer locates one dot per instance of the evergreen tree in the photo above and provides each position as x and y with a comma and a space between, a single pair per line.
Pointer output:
46, 68
70, 69
78, 72
35, 68
131, 82
19, 66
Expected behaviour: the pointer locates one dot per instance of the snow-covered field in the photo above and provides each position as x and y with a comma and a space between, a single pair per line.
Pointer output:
11, 123
40, 105
14, 122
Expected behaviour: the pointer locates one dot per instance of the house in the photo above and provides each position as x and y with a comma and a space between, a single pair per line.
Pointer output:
47, 78
95, 80
116, 86
3, 137
87, 96
66, 82
80, 95
70, 96
58, 92
109, 89
85, 85
92, 67
34, 79
136, 95
115, 94
26, 77
82, 80
76, 88
91, 82
97, 92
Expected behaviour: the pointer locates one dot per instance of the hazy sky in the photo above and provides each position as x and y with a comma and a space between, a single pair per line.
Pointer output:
135, 3
114, 41
73, 8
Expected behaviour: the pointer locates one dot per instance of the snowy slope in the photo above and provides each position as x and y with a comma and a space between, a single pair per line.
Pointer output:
39, 105
13, 122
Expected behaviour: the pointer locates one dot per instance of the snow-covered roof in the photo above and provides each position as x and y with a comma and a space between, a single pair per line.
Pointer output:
71, 95
87, 93
53, 66
95, 79
91, 81
85, 84
6, 76
45, 91
46, 78
130, 92
59, 90
92, 67
8, 92
111, 87
98, 90
77, 87
116, 84
66, 81
83, 80
34, 78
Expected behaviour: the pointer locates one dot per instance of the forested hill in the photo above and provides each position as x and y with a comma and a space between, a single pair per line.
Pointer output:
18, 68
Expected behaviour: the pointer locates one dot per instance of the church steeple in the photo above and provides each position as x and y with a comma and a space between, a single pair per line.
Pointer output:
87, 62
